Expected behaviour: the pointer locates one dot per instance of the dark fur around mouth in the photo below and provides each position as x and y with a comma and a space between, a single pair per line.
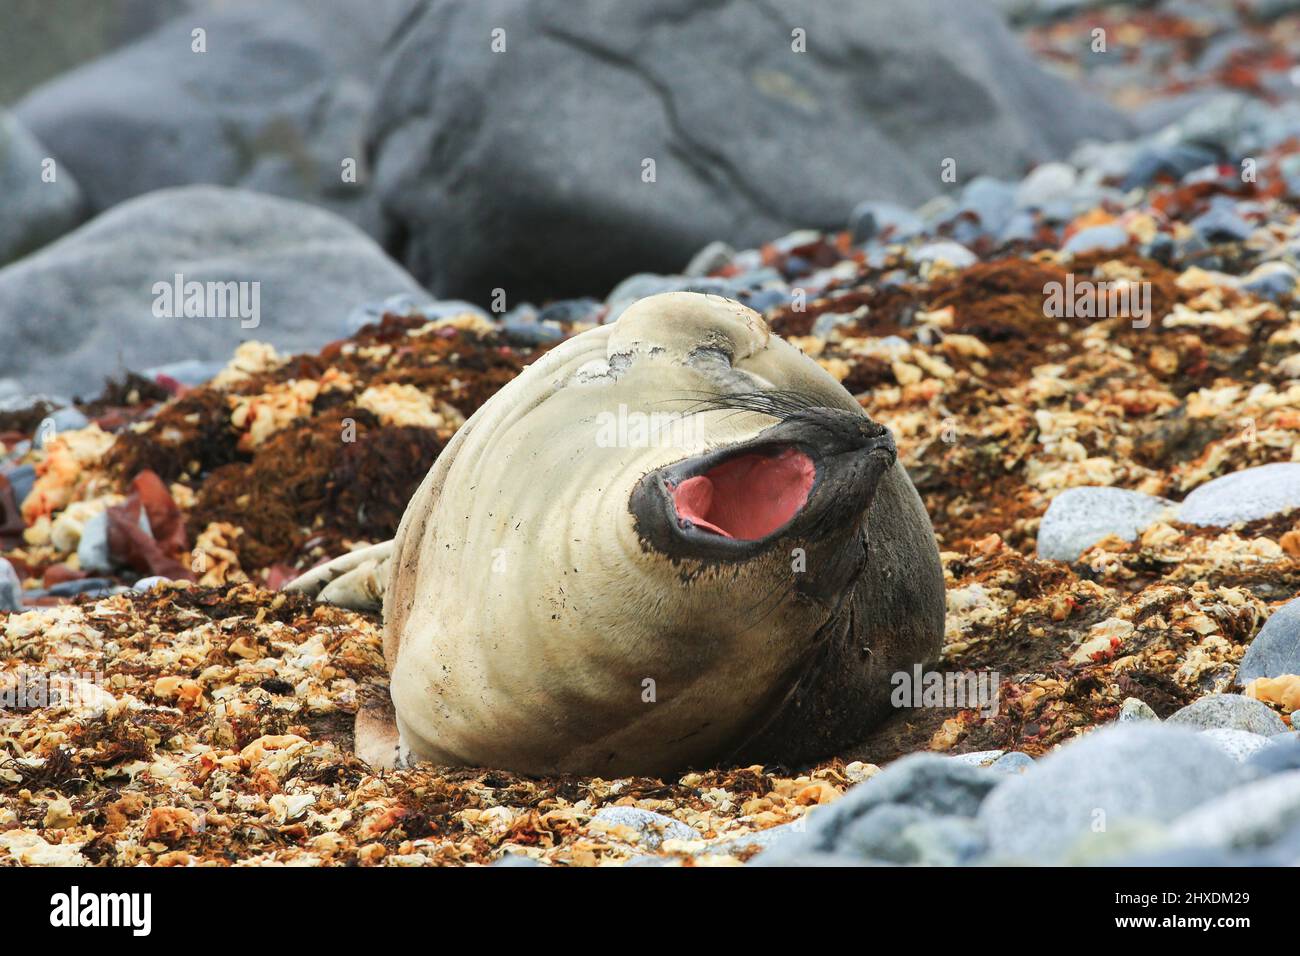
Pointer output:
850, 453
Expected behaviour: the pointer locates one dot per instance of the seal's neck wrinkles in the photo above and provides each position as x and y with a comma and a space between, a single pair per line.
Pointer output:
747, 497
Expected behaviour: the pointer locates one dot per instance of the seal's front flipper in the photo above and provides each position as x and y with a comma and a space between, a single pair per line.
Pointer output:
355, 580
376, 739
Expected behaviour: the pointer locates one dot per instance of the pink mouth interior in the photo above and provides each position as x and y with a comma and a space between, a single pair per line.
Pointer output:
748, 497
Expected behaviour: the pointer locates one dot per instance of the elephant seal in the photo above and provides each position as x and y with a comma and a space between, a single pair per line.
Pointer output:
673, 541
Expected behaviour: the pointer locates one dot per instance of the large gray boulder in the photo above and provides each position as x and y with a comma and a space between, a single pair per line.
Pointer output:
276, 103
84, 307
523, 169
41, 201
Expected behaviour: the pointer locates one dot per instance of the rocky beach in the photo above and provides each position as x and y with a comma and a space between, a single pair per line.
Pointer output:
1086, 344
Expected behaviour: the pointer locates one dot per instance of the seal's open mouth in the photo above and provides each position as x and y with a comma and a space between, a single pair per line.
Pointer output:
812, 473
746, 497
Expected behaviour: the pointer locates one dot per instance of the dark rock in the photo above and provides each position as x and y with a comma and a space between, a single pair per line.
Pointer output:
276, 104
542, 194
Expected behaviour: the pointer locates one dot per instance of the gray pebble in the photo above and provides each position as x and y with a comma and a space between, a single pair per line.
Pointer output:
1276, 648
653, 828
1133, 709
1078, 518
1244, 496
1230, 712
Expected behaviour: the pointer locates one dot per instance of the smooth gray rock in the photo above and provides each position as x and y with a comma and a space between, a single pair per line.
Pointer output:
1240, 745
1109, 236
11, 588
276, 103
1078, 518
83, 308
1276, 648
1230, 712
1119, 776
1135, 710
654, 828
1244, 496
1250, 816
35, 210
903, 834
916, 788
542, 194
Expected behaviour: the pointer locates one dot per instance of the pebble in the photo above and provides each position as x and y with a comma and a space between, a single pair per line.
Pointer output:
1078, 518
1230, 712
992, 200
1047, 182
653, 828
953, 253
1109, 236
1222, 225
144, 584
1276, 648
1167, 159
67, 419
522, 326
711, 258
871, 219
406, 304
1270, 280
92, 549
1237, 744
917, 788
21, 478
999, 761
11, 588
1135, 710
1121, 774
1243, 496
79, 586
